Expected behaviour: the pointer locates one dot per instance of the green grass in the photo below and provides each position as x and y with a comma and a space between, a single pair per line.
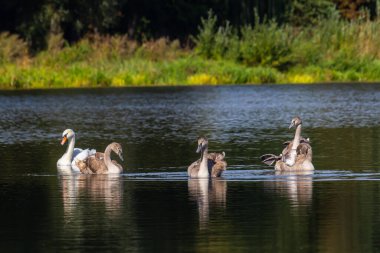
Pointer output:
331, 51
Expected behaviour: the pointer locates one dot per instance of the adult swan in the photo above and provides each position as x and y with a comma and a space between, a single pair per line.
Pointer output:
68, 160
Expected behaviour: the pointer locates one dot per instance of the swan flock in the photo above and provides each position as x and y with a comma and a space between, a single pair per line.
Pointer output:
295, 156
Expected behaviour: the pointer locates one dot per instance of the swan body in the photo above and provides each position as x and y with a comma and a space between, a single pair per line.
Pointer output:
68, 136
101, 163
303, 160
83, 155
68, 161
297, 155
210, 164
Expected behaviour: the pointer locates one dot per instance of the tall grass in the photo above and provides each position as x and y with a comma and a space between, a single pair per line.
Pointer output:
332, 50
12, 48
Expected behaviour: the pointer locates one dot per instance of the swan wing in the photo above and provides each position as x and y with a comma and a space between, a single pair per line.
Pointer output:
269, 159
285, 154
76, 152
193, 169
306, 150
218, 168
81, 156
216, 156
97, 165
289, 156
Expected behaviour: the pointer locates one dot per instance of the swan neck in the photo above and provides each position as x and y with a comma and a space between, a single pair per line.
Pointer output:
204, 154
70, 148
107, 156
297, 137
203, 170
112, 168
293, 151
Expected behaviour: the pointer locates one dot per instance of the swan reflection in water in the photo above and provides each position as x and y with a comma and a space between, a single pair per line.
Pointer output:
296, 185
80, 190
208, 193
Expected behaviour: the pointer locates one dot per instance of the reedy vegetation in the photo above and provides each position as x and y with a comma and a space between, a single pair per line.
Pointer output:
329, 50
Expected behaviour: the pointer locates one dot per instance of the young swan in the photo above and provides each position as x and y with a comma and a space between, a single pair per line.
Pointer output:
209, 164
297, 155
100, 163
219, 166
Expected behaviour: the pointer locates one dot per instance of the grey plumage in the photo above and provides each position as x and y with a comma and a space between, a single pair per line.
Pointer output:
101, 163
215, 161
292, 158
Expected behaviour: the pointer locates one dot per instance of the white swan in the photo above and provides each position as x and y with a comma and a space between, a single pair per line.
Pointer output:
72, 155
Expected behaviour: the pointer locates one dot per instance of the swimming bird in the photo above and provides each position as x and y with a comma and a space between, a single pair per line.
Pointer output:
72, 154
297, 155
101, 163
209, 164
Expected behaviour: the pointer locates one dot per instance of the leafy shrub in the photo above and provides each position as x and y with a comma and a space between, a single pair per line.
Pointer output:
204, 41
267, 44
226, 43
216, 43
264, 75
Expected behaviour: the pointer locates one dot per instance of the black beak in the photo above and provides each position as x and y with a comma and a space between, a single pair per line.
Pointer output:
199, 149
121, 156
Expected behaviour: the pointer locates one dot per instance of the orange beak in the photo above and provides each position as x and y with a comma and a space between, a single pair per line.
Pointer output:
64, 139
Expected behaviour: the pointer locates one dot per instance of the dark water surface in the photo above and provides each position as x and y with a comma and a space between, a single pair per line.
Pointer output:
154, 207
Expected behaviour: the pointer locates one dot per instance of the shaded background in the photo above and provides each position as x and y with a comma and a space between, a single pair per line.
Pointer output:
145, 19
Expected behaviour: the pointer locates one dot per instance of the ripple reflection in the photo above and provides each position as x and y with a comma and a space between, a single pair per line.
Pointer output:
208, 194
296, 185
79, 190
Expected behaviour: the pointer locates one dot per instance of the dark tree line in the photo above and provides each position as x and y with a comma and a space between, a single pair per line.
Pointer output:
146, 19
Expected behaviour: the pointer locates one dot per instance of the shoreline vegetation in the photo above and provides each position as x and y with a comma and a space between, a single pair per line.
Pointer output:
332, 50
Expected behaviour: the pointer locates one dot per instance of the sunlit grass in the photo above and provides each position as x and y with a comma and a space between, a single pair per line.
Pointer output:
332, 51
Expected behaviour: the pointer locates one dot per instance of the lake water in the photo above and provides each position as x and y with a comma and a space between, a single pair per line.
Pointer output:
154, 207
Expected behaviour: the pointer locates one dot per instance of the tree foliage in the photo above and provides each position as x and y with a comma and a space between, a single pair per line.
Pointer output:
308, 13
39, 21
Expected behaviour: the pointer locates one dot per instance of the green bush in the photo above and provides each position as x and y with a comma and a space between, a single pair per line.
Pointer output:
226, 43
216, 43
204, 41
267, 45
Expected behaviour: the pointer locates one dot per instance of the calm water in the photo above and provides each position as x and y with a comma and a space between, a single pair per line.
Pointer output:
154, 207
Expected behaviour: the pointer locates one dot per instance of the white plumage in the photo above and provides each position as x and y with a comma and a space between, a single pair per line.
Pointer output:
67, 163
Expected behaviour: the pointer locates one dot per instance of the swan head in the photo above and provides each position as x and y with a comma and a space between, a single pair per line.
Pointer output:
68, 134
116, 147
295, 122
202, 144
220, 157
